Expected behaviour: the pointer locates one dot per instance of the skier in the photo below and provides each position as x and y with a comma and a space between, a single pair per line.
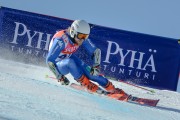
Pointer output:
62, 61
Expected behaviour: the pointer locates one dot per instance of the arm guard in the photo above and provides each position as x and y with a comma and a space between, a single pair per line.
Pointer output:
97, 57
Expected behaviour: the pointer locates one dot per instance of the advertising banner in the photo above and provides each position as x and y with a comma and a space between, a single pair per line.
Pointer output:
27, 35
139, 58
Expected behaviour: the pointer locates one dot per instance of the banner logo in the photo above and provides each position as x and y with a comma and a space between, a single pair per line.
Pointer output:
32, 40
141, 64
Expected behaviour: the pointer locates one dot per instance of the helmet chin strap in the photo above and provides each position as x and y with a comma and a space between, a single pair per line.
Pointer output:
73, 39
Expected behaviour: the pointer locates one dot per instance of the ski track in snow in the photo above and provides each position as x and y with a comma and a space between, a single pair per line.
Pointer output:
25, 94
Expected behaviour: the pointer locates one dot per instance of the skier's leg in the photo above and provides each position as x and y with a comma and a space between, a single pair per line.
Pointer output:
53, 53
70, 66
102, 81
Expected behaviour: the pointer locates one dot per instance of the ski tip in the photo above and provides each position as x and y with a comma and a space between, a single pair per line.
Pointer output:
156, 102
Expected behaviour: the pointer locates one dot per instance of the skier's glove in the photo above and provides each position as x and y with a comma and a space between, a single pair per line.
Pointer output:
63, 80
95, 70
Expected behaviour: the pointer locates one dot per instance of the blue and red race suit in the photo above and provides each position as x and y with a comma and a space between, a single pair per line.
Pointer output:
61, 56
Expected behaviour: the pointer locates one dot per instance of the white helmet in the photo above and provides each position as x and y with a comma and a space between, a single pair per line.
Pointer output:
79, 26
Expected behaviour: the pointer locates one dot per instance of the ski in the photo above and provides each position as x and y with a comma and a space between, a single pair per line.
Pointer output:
143, 101
130, 98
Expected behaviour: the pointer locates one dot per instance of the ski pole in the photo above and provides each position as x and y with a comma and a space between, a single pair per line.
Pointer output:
152, 91
47, 76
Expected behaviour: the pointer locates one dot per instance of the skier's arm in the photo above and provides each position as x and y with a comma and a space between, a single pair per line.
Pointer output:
95, 54
97, 57
95, 69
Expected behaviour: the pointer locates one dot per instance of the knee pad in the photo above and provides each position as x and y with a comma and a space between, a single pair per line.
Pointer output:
54, 69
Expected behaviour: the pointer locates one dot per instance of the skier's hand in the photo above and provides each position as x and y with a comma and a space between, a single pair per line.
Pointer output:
63, 80
95, 70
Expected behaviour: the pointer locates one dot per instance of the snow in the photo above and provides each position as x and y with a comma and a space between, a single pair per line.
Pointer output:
25, 94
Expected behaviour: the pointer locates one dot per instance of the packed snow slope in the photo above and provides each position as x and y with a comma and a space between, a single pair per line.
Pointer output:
25, 94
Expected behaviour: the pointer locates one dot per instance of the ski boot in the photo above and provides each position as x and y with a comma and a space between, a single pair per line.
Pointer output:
91, 87
116, 92
63, 80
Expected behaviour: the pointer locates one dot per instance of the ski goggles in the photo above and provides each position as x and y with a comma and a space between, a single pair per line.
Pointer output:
82, 36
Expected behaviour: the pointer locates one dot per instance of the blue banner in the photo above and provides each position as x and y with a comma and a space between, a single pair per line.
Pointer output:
140, 58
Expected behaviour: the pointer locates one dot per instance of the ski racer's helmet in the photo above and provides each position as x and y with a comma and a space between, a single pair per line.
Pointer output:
80, 29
